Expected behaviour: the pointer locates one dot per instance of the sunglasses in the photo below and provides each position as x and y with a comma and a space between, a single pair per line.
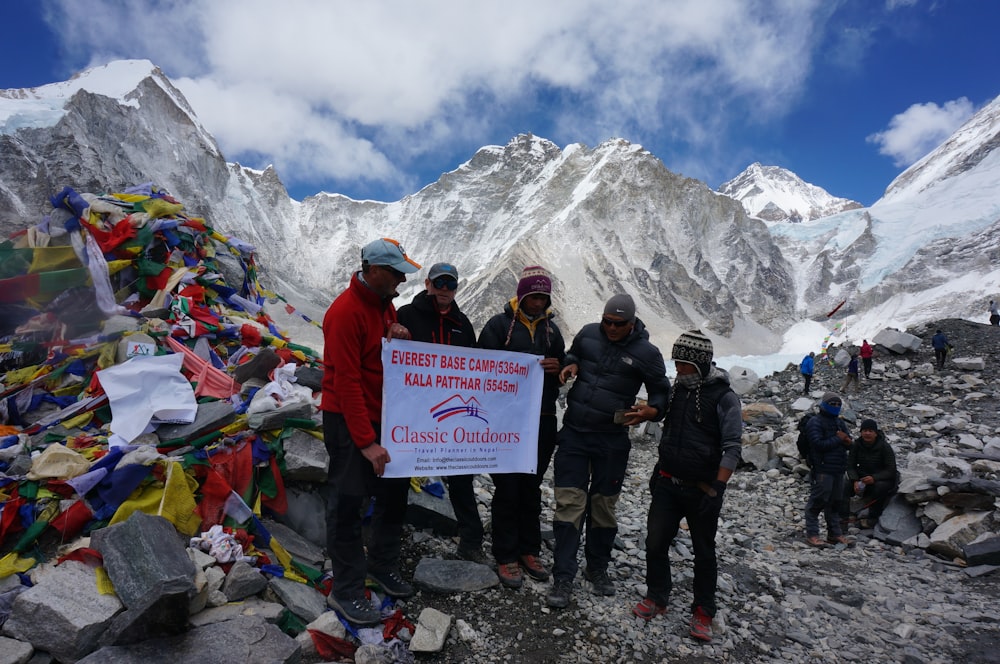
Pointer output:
614, 323
396, 273
445, 283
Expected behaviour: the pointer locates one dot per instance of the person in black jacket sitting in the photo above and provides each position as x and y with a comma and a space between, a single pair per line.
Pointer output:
871, 471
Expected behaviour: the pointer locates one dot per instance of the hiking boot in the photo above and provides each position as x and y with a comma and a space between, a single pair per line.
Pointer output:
701, 624
601, 581
814, 540
533, 568
357, 610
473, 555
558, 597
647, 608
392, 584
510, 574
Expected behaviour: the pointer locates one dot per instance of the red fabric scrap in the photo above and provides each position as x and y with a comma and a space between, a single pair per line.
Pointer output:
71, 521
159, 282
9, 521
251, 336
119, 233
394, 623
331, 648
89, 557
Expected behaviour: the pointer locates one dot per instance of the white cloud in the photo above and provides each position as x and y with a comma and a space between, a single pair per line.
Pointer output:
921, 128
353, 90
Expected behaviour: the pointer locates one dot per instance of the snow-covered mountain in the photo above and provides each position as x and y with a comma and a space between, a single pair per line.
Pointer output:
606, 219
773, 193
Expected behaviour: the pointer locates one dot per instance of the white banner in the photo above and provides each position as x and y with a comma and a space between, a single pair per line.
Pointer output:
448, 410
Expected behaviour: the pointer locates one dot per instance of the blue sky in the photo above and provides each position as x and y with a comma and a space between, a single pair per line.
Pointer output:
378, 99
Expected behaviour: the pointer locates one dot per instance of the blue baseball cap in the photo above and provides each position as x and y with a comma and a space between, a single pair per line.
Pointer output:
388, 252
442, 270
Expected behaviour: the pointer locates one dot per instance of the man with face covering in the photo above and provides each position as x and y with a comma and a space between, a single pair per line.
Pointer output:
611, 360
698, 452
829, 442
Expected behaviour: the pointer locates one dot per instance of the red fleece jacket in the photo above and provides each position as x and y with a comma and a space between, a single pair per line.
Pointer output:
353, 329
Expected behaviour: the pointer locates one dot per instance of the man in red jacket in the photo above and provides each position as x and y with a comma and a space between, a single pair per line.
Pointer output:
353, 329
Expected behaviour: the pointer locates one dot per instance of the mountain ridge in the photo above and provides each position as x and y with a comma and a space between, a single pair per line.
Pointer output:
607, 219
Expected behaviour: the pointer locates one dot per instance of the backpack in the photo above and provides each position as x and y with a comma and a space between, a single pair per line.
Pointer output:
802, 442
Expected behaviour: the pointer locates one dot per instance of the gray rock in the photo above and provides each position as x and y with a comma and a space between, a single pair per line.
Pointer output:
432, 630
969, 363
211, 416
742, 379
306, 512
63, 613
13, 651
983, 552
302, 600
275, 419
163, 612
242, 582
425, 510
896, 341
898, 522
951, 536
453, 576
306, 458
246, 640
299, 547
144, 555
252, 606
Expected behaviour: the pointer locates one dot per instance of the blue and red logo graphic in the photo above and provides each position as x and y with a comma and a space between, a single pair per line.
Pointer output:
456, 405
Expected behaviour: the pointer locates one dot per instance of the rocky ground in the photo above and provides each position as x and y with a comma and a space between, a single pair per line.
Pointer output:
780, 600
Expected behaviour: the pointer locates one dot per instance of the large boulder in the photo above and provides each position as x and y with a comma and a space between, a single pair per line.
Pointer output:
896, 341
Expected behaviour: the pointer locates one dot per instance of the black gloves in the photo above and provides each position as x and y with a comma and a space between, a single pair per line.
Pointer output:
711, 506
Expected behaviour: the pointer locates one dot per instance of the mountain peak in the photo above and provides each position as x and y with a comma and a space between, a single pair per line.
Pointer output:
962, 152
776, 194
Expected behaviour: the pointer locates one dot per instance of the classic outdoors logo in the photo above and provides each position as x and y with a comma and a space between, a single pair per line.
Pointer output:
456, 405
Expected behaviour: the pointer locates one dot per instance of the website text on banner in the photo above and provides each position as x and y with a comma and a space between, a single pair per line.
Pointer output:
449, 410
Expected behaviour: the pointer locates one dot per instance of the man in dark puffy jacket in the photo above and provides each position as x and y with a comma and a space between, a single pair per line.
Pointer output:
526, 325
829, 442
698, 452
871, 471
610, 360
434, 317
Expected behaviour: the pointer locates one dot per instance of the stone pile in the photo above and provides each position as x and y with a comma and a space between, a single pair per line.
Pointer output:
160, 449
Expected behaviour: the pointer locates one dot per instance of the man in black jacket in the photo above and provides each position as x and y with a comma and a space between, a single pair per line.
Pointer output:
698, 452
434, 317
611, 360
871, 471
526, 325
829, 441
